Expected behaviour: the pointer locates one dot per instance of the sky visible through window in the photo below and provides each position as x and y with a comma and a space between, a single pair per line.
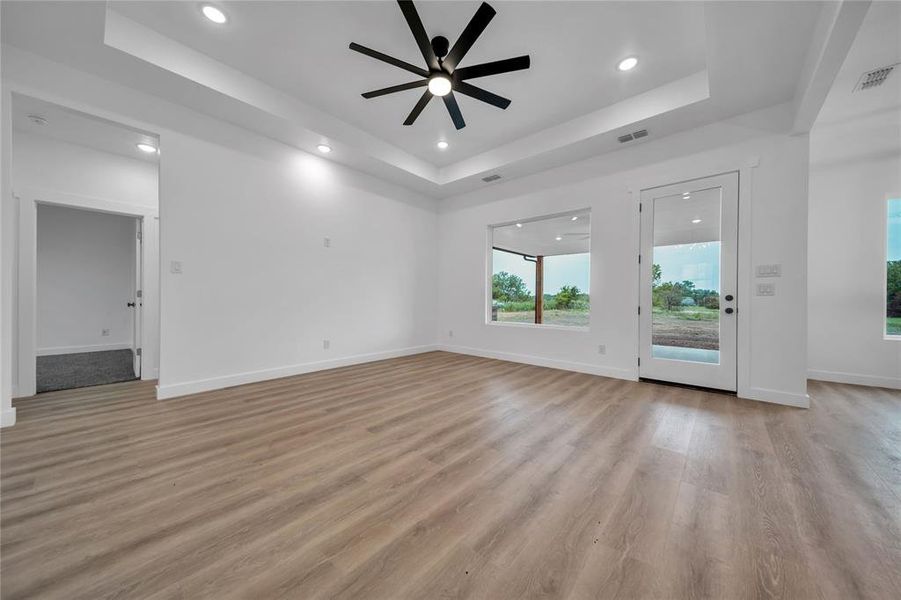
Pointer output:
894, 229
698, 263
567, 269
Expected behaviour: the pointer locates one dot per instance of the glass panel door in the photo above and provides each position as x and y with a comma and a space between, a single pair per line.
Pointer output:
687, 317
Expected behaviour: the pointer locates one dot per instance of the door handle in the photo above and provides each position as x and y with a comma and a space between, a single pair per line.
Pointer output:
730, 310
131, 304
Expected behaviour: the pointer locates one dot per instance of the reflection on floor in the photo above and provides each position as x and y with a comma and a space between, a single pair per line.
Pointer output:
689, 354
67, 371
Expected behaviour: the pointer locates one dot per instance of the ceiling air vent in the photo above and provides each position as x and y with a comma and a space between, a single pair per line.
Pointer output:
873, 78
491, 178
633, 136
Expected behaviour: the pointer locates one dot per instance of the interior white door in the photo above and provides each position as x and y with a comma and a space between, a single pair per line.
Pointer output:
689, 262
137, 298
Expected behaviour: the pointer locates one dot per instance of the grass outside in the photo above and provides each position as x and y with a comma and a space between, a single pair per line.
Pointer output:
570, 318
688, 327
893, 325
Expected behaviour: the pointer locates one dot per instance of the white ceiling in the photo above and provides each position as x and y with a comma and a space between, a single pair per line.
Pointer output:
75, 127
283, 69
538, 237
673, 216
570, 75
859, 123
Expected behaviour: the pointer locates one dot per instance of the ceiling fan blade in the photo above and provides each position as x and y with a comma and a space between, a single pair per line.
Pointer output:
454, 109
473, 30
396, 88
422, 38
388, 59
426, 96
480, 94
493, 68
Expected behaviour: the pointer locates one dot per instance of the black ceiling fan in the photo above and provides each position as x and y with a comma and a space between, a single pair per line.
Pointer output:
442, 77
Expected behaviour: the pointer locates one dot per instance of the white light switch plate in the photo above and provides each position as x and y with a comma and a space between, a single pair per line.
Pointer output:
175, 267
769, 270
766, 289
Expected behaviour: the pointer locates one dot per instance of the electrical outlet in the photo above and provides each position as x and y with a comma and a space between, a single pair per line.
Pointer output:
450, 333
327, 242
175, 267
104, 332
602, 349
326, 344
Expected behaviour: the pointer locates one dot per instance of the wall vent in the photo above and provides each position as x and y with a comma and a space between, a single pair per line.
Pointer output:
635, 135
491, 178
874, 78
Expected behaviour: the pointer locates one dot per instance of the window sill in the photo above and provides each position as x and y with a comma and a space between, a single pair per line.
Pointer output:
577, 328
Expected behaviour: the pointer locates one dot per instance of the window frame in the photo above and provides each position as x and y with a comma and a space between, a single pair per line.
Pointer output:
489, 272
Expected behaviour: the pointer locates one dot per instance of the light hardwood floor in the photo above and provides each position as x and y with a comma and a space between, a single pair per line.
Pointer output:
445, 476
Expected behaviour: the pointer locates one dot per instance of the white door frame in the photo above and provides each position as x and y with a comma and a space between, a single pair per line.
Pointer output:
28, 199
724, 374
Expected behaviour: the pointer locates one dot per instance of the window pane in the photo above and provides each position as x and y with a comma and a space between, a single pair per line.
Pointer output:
566, 290
685, 322
540, 271
512, 288
893, 268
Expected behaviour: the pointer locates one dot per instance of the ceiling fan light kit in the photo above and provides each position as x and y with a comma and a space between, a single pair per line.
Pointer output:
441, 77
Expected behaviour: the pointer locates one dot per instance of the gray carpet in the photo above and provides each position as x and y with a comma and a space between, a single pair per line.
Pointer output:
67, 371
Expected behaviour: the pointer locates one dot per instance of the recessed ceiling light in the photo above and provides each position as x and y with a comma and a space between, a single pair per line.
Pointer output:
37, 119
440, 85
214, 14
558, 238
696, 221
146, 148
627, 64
442, 145
324, 149
519, 225
574, 219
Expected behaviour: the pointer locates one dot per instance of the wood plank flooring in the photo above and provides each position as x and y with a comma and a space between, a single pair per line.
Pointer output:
448, 476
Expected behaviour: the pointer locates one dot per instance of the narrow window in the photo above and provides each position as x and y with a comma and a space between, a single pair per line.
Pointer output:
893, 268
540, 271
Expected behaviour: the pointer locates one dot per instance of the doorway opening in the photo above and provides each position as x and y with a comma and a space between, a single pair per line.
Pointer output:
86, 277
88, 283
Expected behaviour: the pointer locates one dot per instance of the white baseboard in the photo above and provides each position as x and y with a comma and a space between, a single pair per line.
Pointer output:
175, 390
855, 378
538, 361
8, 417
775, 397
76, 349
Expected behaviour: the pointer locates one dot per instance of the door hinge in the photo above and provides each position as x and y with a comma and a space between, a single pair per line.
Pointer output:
639, 310
138, 352
639, 361
639, 207
639, 259
140, 236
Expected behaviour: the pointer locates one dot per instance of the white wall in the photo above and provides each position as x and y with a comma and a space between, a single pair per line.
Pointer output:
772, 351
260, 291
847, 264
85, 277
246, 216
49, 164
50, 170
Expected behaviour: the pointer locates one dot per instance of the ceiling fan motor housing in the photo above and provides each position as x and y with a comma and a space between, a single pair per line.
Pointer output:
440, 45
